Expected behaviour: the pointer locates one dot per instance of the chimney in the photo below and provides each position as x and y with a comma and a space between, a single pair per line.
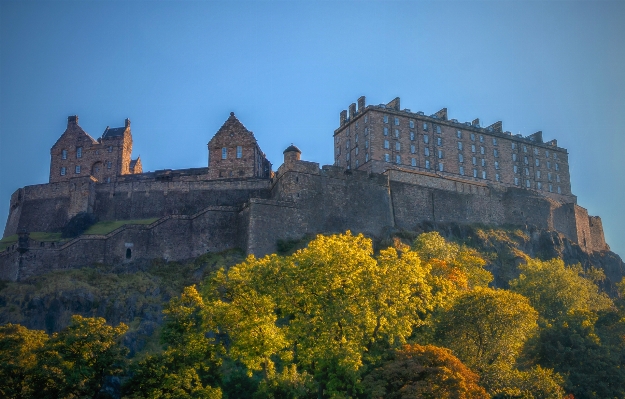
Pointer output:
361, 103
72, 120
343, 117
352, 110
476, 122
127, 122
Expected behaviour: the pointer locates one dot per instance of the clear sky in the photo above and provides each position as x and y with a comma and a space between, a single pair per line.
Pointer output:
287, 69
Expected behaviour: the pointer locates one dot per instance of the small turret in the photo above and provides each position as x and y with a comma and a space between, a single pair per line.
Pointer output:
292, 154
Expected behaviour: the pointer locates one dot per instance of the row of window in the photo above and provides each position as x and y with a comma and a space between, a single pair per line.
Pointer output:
79, 152
224, 152
77, 168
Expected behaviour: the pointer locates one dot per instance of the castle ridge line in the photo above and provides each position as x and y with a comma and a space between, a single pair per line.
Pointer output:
456, 124
237, 201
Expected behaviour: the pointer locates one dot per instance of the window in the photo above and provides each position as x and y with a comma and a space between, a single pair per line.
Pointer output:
347, 157
439, 141
483, 162
538, 174
440, 166
481, 139
413, 161
338, 150
426, 139
524, 148
366, 131
474, 161
514, 146
79, 152
397, 146
481, 150
397, 133
537, 162
367, 157
356, 150
458, 134
472, 147
427, 164
64, 154
347, 144
412, 124
396, 121
425, 126
224, 153
535, 151
496, 153
460, 158
385, 118
438, 129
109, 165
427, 151
514, 157
440, 154
387, 157
484, 174
366, 143
357, 163
559, 191
474, 172
77, 169
397, 159
527, 171
516, 170
496, 165
460, 145
539, 185
547, 153
411, 136
548, 165
558, 178
386, 145
555, 156
63, 171
497, 177
356, 138
366, 118
385, 131
550, 188
110, 148
412, 149
462, 170
494, 141
527, 183
239, 151
516, 181
525, 160
472, 137
557, 167
549, 176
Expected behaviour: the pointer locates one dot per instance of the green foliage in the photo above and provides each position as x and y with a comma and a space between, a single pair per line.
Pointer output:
556, 290
487, 330
423, 372
18, 346
38, 236
289, 384
74, 362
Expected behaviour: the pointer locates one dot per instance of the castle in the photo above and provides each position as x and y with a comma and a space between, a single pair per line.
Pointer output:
393, 170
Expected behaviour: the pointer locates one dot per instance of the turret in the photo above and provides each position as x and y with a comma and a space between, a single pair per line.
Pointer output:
292, 154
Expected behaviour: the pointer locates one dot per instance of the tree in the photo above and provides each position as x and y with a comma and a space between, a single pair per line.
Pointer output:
555, 290
18, 347
324, 308
487, 328
75, 361
189, 366
424, 372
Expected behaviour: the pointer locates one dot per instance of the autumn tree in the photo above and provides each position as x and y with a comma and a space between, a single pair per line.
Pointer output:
18, 348
423, 372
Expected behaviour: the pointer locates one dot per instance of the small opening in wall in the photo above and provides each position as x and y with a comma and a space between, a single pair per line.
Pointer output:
128, 253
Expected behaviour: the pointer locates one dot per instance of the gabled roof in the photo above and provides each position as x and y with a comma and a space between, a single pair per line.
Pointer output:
233, 125
113, 132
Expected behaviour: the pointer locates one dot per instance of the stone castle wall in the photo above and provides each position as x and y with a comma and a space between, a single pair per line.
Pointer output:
197, 215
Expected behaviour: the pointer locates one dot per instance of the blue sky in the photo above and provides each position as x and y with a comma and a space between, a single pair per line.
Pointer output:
287, 69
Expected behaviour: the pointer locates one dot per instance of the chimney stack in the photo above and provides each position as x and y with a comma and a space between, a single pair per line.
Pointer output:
72, 120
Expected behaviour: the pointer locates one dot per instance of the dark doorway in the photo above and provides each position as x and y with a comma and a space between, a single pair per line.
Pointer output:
128, 253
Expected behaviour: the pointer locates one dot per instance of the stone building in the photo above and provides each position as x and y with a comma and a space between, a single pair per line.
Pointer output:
376, 138
234, 152
77, 154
